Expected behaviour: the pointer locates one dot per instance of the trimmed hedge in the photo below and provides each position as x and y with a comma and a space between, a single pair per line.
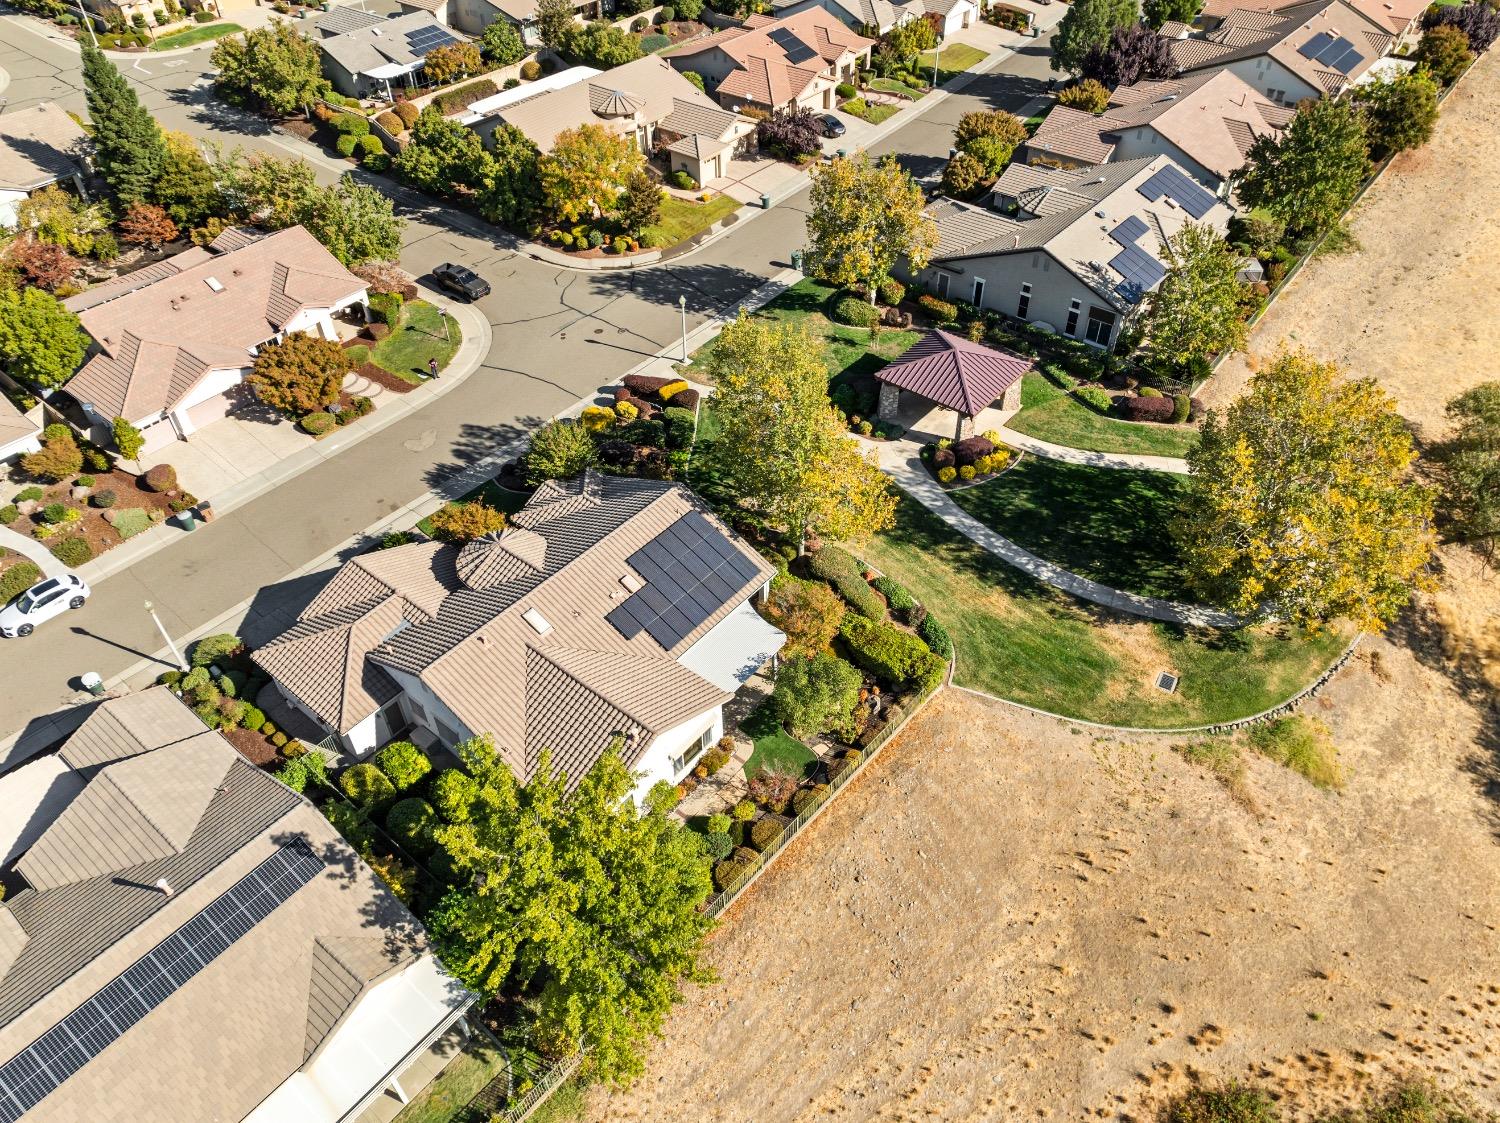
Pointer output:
890, 291
971, 449
17, 579
901, 602
455, 101
407, 112
1182, 408
680, 424
765, 832
891, 655
411, 822
942, 311
365, 784
403, 762
391, 123
685, 399
72, 552
1095, 398
936, 637
1147, 409
645, 386
839, 568
854, 311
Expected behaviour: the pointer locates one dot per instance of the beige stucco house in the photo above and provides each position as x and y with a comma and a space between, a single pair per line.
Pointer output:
39, 147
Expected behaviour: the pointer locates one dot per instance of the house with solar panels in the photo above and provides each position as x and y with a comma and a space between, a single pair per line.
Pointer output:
1310, 50
610, 611
184, 939
372, 57
1074, 250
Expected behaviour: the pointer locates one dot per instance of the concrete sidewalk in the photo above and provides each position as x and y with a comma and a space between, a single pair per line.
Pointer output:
1125, 460
31, 548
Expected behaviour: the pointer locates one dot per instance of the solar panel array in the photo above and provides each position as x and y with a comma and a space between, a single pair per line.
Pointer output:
691, 571
426, 39
35, 1072
1140, 270
1174, 182
1129, 232
1327, 50
797, 51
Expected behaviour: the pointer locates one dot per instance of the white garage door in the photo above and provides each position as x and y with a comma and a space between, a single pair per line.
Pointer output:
207, 412
158, 436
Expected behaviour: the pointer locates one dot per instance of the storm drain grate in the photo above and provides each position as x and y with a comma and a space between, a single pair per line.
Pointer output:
1167, 681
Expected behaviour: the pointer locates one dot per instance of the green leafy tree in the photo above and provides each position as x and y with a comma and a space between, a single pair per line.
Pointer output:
511, 192
1302, 506
275, 69
1400, 113
905, 42
1444, 53
300, 375
128, 439
965, 177
601, 45
41, 342
188, 188
128, 148
991, 137
501, 43
356, 222
586, 171
60, 218
267, 190
1158, 12
1308, 176
640, 202
1471, 469
866, 216
580, 902
783, 453
443, 155
554, 20
452, 61
817, 695
559, 451
809, 612
1196, 310
1087, 25
1088, 95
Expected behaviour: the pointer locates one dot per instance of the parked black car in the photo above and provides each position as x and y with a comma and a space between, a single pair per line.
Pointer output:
464, 282
831, 125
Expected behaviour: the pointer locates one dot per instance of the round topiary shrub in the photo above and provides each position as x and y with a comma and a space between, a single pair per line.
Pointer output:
103, 499
718, 844
344, 146
368, 146
407, 112
9, 514
743, 811
855, 311
1140, 408
806, 799
404, 763
890, 291
411, 822
161, 477
54, 513
765, 832
72, 552
454, 791
531, 70
1182, 407
278, 739
318, 423
366, 785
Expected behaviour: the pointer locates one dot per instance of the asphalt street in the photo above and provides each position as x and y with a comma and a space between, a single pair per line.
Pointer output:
558, 335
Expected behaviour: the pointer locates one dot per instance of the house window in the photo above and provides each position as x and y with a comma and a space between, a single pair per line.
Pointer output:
978, 292
1101, 326
1278, 96
1072, 325
1023, 305
942, 284
690, 755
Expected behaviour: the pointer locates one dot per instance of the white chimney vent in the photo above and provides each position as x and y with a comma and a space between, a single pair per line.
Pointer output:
537, 621
164, 886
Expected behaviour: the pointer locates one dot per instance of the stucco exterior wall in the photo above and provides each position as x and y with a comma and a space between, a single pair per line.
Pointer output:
426, 709
1266, 76
656, 764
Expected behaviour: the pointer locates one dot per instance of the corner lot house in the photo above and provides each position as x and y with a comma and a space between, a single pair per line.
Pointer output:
173, 341
1205, 122
775, 63
367, 60
185, 939
610, 608
18, 433
39, 146
646, 100
1075, 250
1316, 49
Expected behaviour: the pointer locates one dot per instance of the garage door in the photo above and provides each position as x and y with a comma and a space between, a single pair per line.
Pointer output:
207, 412
158, 436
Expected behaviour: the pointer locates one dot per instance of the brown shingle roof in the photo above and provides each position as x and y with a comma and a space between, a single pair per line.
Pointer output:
39, 146
953, 372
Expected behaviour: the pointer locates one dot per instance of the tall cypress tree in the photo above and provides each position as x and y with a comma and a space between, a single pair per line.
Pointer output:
128, 147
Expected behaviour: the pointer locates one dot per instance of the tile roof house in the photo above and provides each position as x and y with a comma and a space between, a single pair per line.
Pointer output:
646, 99
19, 433
186, 939
365, 60
39, 146
172, 342
609, 608
774, 63
876, 17
1073, 249
1309, 50
1206, 122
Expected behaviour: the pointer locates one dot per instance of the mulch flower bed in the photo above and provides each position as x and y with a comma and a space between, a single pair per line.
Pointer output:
973, 460
95, 524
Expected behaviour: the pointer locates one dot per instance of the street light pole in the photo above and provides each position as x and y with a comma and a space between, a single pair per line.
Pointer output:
937, 54
177, 655
682, 305
89, 24
443, 315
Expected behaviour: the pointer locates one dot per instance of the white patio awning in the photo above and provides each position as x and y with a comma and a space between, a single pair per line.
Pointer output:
734, 649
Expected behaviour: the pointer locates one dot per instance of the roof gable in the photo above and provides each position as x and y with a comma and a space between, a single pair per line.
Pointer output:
953, 372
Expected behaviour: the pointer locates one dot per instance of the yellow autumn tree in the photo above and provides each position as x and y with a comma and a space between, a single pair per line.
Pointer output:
1303, 507
782, 451
586, 171
865, 217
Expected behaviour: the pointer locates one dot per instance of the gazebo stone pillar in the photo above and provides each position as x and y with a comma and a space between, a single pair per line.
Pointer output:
1011, 401
890, 402
964, 428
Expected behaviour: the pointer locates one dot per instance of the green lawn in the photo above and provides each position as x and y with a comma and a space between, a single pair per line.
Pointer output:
891, 86
775, 749
446, 1099
680, 219
1049, 413
1027, 642
195, 35
874, 114
420, 337
1106, 524
847, 350
131, 521
952, 61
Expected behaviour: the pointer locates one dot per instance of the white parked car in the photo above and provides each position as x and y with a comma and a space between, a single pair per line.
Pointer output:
42, 602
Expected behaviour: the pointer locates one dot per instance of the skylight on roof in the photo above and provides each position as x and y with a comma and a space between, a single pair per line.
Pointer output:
214, 283
538, 622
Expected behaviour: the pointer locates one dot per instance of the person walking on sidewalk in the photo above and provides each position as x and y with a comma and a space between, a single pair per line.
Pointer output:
432, 368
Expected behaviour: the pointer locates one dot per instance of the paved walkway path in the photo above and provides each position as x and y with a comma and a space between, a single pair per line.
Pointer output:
15, 540
1093, 459
899, 460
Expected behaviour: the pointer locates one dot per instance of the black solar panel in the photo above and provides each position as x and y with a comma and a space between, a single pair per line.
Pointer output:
1173, 182
426, 39
1140, 270
1129, 232
691, 571
1316, 45
1342, 56
35, 1072
796, 50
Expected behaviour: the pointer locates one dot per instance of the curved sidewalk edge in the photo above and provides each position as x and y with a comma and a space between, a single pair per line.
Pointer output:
1125, 460
470, 356
31, 548
913, 478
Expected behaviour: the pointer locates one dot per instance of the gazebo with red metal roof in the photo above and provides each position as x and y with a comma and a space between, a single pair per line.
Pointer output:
956, 374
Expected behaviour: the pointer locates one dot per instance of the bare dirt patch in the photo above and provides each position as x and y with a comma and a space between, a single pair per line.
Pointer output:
1417, 307
1007, 918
